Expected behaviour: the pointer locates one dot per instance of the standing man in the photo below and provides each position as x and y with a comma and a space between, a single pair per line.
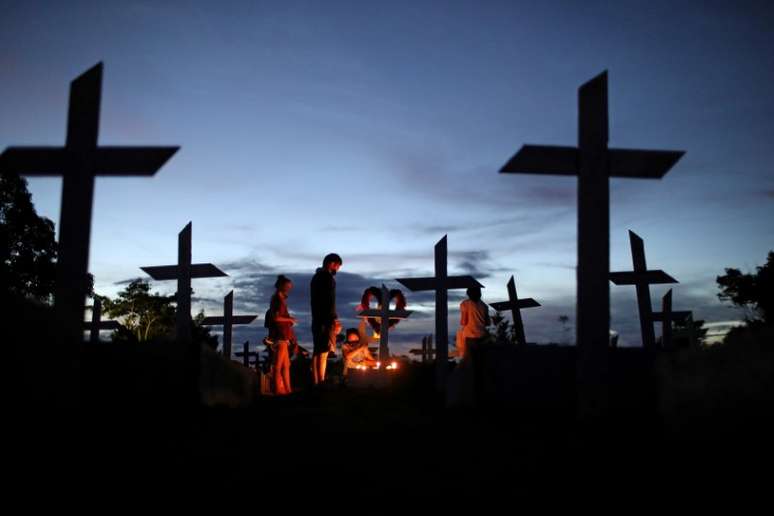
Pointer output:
325, 321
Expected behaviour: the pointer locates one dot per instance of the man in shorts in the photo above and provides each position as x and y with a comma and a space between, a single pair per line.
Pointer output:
325, 321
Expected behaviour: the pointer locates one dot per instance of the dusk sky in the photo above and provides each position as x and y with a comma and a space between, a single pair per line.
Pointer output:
372, 129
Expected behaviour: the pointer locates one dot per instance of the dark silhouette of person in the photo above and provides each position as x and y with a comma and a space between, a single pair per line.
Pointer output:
282, 334
325, 320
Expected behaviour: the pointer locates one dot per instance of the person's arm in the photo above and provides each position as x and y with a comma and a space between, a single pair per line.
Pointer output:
274, 307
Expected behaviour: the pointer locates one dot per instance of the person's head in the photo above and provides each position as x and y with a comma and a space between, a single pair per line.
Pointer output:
283, 284
332, 263
353, 336
474, 293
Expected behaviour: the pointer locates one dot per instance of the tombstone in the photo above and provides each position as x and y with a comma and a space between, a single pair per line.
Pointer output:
184, 272
593, 163
228, 321
97, 323
79, 162
514, 304
384, 314
441, 283
246, 354
642, 278
667, 317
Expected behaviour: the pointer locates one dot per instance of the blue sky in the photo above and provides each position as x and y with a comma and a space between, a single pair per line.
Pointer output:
373, 129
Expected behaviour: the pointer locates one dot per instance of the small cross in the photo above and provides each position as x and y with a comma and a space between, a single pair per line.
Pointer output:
515, 305
426, 351
97, 323
183, 272
228, 321
642, 278
667, 317
246, 354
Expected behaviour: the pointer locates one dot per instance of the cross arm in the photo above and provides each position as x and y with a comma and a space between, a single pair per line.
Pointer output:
633, 277
543, 159
111, 161
132, 161
458, 282
33, 161
236, 319
169, 272
646, 164
392, 314
502, 306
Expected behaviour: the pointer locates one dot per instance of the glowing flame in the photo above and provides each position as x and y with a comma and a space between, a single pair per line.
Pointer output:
393, 365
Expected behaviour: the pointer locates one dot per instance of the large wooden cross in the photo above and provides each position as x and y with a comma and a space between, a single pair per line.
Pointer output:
594, 164
78, 162
228, 320
96, 324
642, 278
515, 305
441, 283
184, 272
667, 317
384, 314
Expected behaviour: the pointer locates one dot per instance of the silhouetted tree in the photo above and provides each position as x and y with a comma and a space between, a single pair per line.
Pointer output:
503, 332
148, 316
28, 248
143, 316
754, 292
27, 243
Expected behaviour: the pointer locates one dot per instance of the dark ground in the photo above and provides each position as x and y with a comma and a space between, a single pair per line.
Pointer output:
689, 425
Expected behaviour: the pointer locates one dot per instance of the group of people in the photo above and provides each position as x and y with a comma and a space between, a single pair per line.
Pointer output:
325, 325
474, 320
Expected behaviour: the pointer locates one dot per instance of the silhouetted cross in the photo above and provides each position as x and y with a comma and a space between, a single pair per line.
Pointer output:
441, 283
515, 305
384, 314
246, 354
593, 163
642, 278
96, 324
426, 351
228, 321
183, 272
667, 317
78, 162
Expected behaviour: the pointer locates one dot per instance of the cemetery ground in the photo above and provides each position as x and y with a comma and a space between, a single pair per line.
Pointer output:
676, 419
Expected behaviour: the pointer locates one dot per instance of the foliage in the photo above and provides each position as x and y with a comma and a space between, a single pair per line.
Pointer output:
754, 292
